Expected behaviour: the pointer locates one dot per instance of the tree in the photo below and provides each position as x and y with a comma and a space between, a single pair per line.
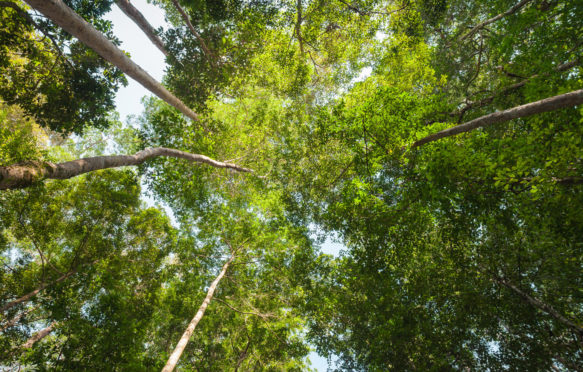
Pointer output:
461, 253
66, 18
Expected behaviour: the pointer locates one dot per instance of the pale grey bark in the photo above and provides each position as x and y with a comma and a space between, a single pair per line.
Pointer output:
173, 360
544, 105
135, 15
512, 10
207, 52
25, 174
66, 18
38, 336
27, 297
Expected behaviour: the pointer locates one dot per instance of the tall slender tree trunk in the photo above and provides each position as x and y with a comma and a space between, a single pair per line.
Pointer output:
173, 360
135, 15
25, 174
27, 297
544, 105
71, 22
38, 336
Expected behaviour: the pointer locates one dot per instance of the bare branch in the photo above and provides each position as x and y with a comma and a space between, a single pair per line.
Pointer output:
545, 105
136, 16
25, 174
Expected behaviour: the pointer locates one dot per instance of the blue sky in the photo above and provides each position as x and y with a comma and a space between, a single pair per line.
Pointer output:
128, 99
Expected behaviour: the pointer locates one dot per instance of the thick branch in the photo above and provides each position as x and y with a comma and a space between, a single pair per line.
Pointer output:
512, 10
206, 50
173, 360
12, 322
38, 336
66, 18
27, 297
540, 305
139, 19
25, 174
544, 105
563, 67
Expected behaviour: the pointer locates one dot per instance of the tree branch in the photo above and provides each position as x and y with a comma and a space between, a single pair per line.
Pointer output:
512, 10
545, 105
135, 15
206, 50
25, 174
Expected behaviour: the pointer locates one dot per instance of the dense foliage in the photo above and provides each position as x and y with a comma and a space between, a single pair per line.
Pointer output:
460, 254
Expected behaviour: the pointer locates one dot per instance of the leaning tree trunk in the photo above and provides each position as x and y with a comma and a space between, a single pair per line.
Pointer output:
171, 364
25, 174
71, 22
139, 19
544, 105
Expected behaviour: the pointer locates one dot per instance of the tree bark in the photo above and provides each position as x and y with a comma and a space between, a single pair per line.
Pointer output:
545, 105
206, 50
30, 295
135, 15
173, 360
25, 174
66, 18
38, 336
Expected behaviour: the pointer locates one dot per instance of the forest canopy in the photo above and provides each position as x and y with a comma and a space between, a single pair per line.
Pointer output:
440, 142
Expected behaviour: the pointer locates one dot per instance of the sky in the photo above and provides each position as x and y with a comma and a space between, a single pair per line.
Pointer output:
128, 99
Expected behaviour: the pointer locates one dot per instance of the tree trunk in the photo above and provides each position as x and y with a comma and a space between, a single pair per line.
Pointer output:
25, 174
171, 364
66, 18
544, 105
38, 336
30, 295
139, 19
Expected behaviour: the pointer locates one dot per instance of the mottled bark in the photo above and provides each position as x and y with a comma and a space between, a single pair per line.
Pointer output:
545, 105
135, 15
66, 18
27, 297
38, 336
25, 174
173, 360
